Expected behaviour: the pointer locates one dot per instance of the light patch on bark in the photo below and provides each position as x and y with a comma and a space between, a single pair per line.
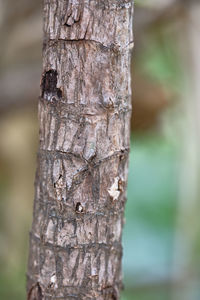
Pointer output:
53, 283
50, 231
53, 278
114, 191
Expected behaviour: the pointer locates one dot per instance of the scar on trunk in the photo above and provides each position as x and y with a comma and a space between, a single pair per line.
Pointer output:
116, 188
49, 86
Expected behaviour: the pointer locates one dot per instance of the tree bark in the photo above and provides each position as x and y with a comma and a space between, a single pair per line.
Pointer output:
80, 187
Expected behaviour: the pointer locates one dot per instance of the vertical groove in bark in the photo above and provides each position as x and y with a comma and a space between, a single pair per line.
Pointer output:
84, 113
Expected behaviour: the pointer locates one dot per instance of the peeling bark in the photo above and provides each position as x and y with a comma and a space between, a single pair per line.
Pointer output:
80, 187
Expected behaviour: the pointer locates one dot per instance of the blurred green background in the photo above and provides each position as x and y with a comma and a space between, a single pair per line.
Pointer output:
161, 236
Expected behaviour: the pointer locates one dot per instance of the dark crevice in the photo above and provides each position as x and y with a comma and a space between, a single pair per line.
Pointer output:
35, 292
113, 297
79, 208
49, 85
67, 25
102, 46
70, 25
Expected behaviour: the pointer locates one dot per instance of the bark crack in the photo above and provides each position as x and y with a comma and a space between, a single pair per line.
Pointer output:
122, 153
115, 246
112, 47
35, 293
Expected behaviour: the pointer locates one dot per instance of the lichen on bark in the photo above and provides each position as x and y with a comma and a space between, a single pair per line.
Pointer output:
84, 113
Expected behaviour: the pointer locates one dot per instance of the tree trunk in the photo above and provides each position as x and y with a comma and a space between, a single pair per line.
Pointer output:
84, 114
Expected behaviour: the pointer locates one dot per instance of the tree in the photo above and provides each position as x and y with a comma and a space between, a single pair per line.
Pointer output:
80, 186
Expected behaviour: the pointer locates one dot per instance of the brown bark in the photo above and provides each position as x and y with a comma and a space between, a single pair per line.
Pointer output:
84, 113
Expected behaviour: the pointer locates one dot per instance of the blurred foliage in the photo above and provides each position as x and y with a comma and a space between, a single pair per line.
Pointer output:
150, 214
160, 62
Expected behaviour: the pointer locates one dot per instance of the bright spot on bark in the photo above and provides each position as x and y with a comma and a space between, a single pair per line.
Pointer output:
53, 283
50, 230
114, 189
53, 278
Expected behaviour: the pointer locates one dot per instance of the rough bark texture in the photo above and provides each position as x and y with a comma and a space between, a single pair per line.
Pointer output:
84, 113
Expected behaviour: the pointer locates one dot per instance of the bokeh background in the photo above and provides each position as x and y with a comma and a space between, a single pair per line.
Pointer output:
162, 231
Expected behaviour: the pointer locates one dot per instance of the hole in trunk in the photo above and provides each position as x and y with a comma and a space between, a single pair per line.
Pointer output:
49, 85
79, 208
